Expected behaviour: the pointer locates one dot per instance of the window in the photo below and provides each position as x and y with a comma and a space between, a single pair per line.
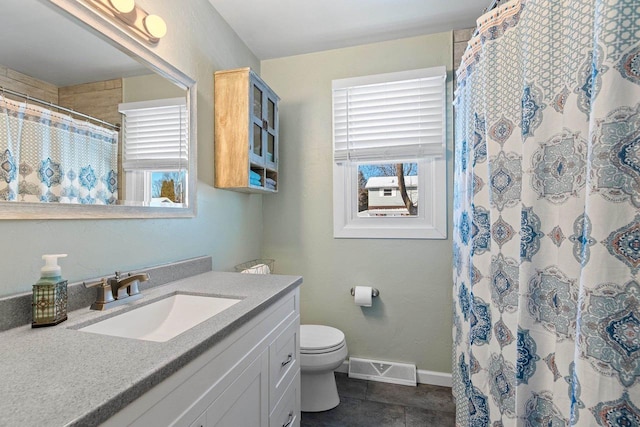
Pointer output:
389, 155
380, 192
155, 151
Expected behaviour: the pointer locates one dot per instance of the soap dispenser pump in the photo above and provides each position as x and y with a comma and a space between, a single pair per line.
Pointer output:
50, 294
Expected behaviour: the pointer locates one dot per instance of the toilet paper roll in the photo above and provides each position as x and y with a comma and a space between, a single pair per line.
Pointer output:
362, 296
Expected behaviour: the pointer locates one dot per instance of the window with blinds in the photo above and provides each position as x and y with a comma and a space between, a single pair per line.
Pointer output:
155, 135
389, 116
389, 146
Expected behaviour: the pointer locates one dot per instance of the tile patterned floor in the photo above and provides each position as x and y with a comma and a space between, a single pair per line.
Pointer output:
375, 404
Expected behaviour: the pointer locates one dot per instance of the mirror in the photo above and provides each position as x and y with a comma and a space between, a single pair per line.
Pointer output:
68, 74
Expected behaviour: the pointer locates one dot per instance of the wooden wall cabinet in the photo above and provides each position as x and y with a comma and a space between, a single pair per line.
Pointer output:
245, 133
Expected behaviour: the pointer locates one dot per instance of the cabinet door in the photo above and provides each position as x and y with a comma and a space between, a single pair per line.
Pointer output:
245, 403
201, 421
271, 131
256, 121
264, 125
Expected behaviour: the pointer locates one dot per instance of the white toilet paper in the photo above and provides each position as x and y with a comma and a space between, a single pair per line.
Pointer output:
362, 296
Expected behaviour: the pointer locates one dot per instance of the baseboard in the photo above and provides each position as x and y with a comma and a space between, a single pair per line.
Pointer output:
424, 376
434, 378
344, 368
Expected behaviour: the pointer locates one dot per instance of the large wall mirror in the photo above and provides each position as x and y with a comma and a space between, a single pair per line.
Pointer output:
93, 123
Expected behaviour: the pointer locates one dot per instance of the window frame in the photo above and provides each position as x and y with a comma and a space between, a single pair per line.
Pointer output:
431, 221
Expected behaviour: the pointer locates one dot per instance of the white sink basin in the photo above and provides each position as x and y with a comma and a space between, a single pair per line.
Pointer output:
164, 319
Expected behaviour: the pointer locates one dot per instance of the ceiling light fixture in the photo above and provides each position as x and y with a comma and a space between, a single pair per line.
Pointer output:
149, 27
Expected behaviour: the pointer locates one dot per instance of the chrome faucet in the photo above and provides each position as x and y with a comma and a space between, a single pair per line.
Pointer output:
116, 290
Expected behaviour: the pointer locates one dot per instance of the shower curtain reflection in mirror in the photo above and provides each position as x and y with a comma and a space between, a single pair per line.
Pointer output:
50, 157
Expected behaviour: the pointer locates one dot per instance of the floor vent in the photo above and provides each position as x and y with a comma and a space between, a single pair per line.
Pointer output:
387, 372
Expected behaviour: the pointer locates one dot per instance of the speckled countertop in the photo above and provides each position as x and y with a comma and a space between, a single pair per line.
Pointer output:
58, 376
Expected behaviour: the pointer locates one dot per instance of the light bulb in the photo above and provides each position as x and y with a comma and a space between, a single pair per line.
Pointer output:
123, 6
155, 26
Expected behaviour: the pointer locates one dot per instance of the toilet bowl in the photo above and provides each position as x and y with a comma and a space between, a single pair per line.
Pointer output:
322, 350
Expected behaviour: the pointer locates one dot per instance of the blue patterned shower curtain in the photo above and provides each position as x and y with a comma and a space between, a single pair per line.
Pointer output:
547, 217
51, 157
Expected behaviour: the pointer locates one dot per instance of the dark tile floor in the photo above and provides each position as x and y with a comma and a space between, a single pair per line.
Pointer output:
375, 404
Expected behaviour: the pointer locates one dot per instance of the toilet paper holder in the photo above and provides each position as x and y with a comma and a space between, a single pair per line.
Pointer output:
374, 292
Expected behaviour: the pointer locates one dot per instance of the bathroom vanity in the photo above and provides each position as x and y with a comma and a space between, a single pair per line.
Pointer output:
238, 368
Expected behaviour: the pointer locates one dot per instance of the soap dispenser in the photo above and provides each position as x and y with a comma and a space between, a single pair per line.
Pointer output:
50, 294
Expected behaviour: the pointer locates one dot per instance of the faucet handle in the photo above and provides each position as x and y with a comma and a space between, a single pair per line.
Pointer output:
100, 282
104, 294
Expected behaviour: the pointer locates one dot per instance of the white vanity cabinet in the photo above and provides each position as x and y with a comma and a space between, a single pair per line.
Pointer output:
251, 378
243, 403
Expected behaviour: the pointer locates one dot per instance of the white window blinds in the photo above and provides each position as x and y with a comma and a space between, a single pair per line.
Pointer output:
155, 134
389, 116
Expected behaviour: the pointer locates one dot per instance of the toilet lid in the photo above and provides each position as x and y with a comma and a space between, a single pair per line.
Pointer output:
319, 338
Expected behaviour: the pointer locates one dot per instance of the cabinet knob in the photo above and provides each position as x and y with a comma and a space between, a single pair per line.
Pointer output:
289, 420
265, 124
289, 360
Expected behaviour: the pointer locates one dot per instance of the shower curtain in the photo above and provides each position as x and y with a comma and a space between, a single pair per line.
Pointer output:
546, 215
51, 157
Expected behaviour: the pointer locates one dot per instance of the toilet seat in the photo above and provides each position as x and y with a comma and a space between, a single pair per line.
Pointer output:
320, 339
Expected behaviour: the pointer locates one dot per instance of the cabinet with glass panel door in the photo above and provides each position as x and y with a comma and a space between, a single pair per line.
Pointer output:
246, 132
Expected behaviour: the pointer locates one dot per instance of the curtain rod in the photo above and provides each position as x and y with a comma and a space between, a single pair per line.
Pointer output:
491, 6
4, 90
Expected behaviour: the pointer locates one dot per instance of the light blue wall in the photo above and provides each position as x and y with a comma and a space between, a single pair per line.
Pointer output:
228, 226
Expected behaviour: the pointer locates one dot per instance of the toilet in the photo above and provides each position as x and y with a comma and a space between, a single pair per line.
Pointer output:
322, 350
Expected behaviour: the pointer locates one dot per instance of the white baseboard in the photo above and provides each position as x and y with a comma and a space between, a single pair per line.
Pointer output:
434, 378
424, 376
344, 368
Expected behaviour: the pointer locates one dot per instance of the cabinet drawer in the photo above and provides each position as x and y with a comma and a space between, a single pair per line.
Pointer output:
201, 421
287, 411
284, 360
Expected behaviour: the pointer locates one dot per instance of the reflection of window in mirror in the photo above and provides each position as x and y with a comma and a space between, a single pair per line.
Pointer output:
155, 151
112, 69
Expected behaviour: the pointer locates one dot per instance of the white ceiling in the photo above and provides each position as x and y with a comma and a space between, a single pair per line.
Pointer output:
278, 28
38, 40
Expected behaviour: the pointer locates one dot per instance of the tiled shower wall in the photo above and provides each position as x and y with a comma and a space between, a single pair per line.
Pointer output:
460, 39
99, 99
22, 83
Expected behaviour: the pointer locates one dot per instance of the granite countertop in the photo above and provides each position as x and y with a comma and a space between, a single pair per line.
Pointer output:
58, 376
